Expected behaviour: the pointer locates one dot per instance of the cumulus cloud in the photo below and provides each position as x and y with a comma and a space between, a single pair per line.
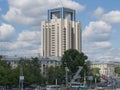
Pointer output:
97, 31
97, 35
7, 32
29, 36
97, 47
27, 43
30, 12
16, 16
109, 55
103, 45
98, 12
27, 40
112, 17
4, 46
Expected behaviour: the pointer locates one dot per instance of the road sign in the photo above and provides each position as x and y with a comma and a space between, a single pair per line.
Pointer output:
90, 78
21, 77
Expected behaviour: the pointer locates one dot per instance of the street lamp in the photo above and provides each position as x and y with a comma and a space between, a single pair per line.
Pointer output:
66, 75
96, 77
21, 79
85, 74
84, 77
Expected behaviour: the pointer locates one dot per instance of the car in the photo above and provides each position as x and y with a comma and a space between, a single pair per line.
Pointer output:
28, 89
99, 88
15, 88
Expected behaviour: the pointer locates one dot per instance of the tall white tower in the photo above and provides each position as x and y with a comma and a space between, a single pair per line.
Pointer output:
61, 32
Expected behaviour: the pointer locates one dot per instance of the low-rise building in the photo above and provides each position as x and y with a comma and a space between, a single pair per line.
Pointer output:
44, 62
106, 68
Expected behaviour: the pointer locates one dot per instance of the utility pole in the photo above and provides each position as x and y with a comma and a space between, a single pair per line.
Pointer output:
84, 78
21, 79
66, 69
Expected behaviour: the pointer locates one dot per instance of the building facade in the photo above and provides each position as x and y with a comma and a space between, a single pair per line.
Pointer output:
45, 62
107, 68
61, 32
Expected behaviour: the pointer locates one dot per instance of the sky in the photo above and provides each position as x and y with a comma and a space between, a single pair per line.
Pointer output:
20, 30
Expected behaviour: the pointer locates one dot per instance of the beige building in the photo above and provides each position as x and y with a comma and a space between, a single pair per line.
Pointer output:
107, 68
61, 32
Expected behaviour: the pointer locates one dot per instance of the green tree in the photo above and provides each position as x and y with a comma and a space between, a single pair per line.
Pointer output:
4, 64
36, 70
95, 71
31, 71
73, 59
55, 73
117, 70
96, 74
6, 74
0, 57
88, 67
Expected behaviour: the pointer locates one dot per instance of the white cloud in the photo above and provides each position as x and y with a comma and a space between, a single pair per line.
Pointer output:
97, 35
112, 17
98, 12
29, 36
27, 40
7, 32
4, 46
102, 45
110, 55
30, 12
93, 48
97, 31
28, 43
16, 16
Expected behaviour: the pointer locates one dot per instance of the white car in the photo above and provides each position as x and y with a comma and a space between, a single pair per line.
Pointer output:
99, 88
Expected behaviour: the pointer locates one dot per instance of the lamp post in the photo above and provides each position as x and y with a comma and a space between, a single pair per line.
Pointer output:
96, 77
66, 75
85, 74
21, 79
84, 78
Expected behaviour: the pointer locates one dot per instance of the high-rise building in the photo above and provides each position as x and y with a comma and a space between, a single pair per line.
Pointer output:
61, 32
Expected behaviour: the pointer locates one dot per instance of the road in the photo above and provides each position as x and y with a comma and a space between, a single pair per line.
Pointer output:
105, 89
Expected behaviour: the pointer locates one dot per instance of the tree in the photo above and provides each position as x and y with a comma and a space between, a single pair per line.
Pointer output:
96, 74
117, 70
95, 71
55, 73
4, 64
7, 77
73, 59
31, 71
36, 70
0, 57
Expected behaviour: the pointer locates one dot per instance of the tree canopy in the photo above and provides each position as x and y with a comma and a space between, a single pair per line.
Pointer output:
73, 59
117, 70
55, 73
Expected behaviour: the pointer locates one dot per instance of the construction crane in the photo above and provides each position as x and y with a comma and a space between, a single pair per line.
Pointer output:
76, 76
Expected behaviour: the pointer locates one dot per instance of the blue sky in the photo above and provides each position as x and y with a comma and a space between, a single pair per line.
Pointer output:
20, 32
